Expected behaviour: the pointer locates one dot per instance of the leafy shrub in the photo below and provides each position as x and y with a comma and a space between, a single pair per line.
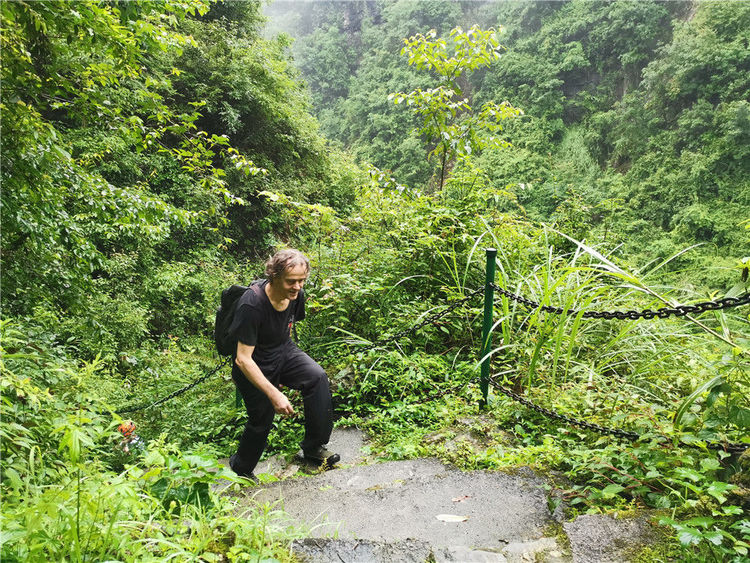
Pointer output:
61, 501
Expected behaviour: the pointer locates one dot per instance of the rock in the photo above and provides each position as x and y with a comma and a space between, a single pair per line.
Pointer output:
325, 550
543, 549
462, 554
272, 466
598, 538
434, 438
463, 441
350, 444
289, 471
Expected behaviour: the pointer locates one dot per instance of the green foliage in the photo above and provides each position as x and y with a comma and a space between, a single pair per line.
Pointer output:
154, 153
575, 56
679, 131
633, 375
639, 103
177, 294
63, 69
348, 53
376, 382
248, 91
61, 500
710, 534
120, 180
328, 59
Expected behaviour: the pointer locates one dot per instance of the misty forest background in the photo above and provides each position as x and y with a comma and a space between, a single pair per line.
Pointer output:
154, 153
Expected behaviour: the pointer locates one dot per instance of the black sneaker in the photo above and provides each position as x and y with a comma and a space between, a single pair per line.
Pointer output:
322, 456
246, 474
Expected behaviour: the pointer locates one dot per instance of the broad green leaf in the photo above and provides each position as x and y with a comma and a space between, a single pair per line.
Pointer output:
740, 416
701, 521
611, 491
691, 474
689, 536
714, 537
718, 488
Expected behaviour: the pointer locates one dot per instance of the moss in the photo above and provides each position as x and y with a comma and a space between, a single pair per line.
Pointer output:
663, 548
563, 541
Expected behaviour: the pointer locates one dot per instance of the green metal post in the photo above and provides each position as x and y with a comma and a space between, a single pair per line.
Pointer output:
489, 301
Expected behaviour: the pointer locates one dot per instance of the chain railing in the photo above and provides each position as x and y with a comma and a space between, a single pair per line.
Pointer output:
178, 392
662, 313
731, 447
378, 343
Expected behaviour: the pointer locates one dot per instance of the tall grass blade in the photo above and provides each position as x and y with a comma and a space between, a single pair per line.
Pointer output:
690, 399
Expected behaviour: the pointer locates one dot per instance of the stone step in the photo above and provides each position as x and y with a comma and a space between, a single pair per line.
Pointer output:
422, 510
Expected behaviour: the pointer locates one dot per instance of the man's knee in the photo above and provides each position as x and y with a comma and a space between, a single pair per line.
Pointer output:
315, 377
303, 373
312, 381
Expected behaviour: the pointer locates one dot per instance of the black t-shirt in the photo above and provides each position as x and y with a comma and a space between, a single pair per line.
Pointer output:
257, 323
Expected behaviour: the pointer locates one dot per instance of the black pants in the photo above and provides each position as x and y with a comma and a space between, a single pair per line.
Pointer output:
295, 370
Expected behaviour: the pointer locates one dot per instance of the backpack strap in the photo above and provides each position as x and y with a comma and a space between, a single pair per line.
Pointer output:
257, 288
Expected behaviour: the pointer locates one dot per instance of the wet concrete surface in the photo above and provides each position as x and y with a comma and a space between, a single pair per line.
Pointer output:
416, 500
422, 510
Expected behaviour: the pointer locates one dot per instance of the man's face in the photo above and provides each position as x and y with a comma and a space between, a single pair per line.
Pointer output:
292, 280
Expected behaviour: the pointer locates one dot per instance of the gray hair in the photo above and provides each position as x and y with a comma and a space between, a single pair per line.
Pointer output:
284, 260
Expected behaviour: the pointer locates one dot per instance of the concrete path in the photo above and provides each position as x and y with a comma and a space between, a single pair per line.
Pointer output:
421, 510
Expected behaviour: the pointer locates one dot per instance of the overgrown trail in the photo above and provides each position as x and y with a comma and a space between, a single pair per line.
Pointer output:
421, 510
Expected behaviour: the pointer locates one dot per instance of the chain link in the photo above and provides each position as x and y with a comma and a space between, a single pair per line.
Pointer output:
662, 313
731, 447
174, 394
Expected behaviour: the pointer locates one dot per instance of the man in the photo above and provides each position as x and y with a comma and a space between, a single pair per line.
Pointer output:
267, 358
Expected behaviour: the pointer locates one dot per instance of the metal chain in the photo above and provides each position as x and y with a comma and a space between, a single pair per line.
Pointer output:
414, 328
731, 447
662, 313
382, 341
174, 394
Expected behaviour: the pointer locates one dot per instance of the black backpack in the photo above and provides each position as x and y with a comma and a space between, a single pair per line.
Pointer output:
226, 344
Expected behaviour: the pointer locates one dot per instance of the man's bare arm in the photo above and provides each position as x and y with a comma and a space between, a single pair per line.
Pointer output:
255, 376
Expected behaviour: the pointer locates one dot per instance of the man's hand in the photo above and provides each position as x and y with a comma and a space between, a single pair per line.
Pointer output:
281, 404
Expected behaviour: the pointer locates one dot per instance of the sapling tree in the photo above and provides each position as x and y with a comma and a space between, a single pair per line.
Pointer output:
449, 122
